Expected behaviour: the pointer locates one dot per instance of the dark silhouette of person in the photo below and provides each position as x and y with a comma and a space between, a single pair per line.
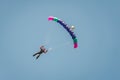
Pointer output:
42, 50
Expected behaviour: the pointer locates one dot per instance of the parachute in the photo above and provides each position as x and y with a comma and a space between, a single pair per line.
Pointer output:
51, 18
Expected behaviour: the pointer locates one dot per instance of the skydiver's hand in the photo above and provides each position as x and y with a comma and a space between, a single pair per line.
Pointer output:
46, 51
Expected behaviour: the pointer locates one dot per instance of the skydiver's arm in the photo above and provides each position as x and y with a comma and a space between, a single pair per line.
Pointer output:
45, 51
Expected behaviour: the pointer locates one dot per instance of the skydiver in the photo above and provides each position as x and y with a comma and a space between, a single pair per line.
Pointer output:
42, 50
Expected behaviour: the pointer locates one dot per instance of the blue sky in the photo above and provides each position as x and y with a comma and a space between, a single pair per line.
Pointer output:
24, 27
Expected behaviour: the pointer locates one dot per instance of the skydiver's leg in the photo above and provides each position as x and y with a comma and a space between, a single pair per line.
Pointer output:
35, 54
38, 56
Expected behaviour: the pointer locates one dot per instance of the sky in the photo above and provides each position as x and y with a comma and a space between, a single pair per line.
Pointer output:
24, 28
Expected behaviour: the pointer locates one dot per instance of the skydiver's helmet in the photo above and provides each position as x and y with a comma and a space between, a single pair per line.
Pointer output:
43, 48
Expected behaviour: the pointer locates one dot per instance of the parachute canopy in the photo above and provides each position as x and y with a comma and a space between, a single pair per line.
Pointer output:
51, 18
